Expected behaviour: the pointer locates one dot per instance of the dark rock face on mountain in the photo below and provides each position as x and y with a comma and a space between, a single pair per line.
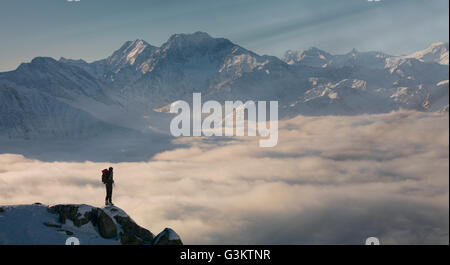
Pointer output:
40, 224
70, 212
132, 233
106, 226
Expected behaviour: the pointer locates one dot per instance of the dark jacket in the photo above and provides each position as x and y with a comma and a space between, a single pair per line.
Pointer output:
109, 177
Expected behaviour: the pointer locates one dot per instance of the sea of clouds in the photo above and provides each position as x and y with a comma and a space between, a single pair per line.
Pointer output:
330, 180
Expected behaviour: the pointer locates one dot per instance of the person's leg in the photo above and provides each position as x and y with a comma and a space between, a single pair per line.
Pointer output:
108, 192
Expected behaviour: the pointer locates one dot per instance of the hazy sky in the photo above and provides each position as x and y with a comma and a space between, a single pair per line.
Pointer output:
93, 29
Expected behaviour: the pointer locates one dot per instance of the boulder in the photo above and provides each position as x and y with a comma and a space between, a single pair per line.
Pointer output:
106, 226
167, 237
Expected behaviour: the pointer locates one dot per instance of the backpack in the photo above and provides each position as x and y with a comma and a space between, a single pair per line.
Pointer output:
104, 175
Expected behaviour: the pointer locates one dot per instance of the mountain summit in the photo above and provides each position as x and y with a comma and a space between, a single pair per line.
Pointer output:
38, 224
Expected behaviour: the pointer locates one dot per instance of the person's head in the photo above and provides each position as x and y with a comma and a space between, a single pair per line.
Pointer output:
110, 169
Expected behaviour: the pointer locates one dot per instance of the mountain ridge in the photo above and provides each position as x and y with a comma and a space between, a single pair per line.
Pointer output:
127, 87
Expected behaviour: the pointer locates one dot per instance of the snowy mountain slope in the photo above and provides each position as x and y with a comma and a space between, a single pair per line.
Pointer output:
65, 86
57, 79
52, 225
391, 82
312, 57
345, 97
125, 65
32, 121
67, 82
318, 58
437, 52
30, 113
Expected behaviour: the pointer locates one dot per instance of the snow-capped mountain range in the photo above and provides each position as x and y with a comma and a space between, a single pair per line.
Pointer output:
130, 90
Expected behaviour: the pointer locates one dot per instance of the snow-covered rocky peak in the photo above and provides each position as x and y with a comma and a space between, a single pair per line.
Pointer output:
195, 50
242, 63
190, 40
311, 57
72, 61
315, 57
130, 53
181, 47
437, 52
39, 224
39, 64
355, 58
197, 56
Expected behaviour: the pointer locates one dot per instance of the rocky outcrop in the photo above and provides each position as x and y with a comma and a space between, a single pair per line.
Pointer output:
167, 237
132, 233
106, 226
111, 223
70, 212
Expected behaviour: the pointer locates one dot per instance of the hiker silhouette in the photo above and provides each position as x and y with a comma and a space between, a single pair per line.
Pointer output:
108, 180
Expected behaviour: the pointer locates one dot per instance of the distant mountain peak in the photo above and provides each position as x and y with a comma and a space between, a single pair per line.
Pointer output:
314, 50
131, 44
312, 56
64, 59
199, 35
437, 52
439, 44
129, 52
198, 40
39, 64
308, 50
134, 45
39, 60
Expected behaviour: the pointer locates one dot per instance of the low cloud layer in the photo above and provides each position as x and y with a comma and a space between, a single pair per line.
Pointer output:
333, 180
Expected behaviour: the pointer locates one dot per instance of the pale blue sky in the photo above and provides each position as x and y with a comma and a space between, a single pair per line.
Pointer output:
93, 29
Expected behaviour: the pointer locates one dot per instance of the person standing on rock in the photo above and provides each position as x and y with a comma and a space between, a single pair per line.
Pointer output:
108, 180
